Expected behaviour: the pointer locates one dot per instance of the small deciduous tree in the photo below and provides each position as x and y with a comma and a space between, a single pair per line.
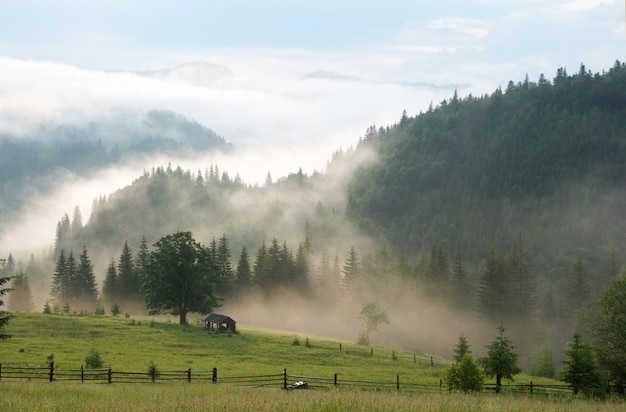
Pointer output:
464, 376
372, 314
580, 368
501, 360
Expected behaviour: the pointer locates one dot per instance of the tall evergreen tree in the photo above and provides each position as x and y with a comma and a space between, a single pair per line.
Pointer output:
4, 315
351, 273
501, 359
128, 281
460, 290
261, 267
110, 287
77, 222
141, 260
244, 272
580, 369
461, 348
522, 289
224, 263
492, 293
71, 274
60, 279
86, 288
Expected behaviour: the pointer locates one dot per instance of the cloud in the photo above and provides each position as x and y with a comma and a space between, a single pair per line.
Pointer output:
472, 29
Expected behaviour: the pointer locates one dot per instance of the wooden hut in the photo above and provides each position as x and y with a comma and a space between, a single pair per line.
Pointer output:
220, 323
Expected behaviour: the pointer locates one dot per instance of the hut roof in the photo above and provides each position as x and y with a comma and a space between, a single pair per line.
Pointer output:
217, 318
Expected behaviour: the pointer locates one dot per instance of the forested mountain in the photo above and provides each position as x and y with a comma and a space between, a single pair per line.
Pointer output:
545, 158
506, 207
32, 161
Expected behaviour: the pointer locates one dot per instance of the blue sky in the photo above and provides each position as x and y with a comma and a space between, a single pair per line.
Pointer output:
66, 60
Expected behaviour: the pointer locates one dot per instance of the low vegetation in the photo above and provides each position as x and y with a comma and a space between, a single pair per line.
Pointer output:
140, 344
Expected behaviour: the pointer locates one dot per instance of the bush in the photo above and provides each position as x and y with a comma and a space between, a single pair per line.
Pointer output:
464, 376
296, 341
93, 360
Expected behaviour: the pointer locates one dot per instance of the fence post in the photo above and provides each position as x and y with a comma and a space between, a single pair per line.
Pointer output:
340, 347
414, 359
153, 373
372, 352
440, 385
335, 382
189, 375
431, 362
531, 387
214, 378
398, 382
51, 371
110, 377
0, 371
285, 378
82, 374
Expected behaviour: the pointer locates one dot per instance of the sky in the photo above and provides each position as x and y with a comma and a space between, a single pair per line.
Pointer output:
287, 81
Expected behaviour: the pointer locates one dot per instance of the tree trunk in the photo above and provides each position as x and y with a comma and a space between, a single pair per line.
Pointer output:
182, 317
498, 382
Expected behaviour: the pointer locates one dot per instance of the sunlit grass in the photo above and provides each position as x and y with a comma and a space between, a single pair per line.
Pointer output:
132, 344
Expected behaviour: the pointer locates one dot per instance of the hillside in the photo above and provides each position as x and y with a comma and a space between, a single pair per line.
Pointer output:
544, 158
33, 162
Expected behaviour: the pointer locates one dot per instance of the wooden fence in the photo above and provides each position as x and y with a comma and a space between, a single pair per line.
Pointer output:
280, 380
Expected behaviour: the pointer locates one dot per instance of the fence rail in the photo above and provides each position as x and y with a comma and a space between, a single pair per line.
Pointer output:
281, 380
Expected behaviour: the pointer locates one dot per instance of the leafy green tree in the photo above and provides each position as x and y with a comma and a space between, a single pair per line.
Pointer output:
180, 277
21, 297
461, 349
501, 360
580, 368
465, 376
609, 331
4, 315
372, 314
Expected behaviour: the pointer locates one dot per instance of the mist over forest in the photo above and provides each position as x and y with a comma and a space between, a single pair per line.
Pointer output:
505, 208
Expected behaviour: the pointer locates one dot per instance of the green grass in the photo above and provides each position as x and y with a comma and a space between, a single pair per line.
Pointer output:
131, 345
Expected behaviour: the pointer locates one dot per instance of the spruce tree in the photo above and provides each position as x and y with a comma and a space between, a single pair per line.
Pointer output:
244, 272
501, 360
351, 273
110, 288
128, 281
4, 315
461, 348
87, 290
60, 279
580, 368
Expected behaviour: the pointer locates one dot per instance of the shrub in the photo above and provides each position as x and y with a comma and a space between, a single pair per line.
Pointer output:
93, 360
464, 376
296, 341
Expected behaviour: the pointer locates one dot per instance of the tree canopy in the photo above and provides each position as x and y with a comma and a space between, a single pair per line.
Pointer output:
501, 360
180, 277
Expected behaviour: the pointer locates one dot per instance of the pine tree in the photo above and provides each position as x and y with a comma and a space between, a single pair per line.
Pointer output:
461, 348
60, 279
522, 289
87, 290
244, 273
492, 294
260, 267
4, 315
580, 368
110, 288
351, 273
128, 281
225, 266
141, 260
301, 269
77, 222
460, 289
501, 360
71, 273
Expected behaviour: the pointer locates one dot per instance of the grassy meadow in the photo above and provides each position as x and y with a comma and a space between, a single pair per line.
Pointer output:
132, 344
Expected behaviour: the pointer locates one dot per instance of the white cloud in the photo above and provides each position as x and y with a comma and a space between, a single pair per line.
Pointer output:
474, 29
